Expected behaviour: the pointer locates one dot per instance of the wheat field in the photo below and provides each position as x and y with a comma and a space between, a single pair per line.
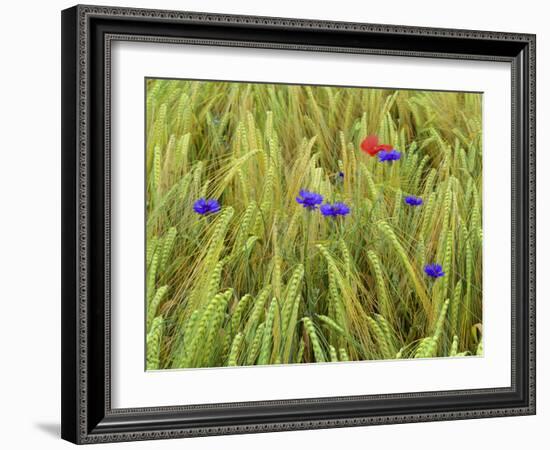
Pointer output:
278, 232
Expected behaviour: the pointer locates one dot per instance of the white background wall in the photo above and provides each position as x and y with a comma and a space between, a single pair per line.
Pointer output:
30, 223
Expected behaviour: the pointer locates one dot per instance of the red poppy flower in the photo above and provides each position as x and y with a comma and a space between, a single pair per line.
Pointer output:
370, 145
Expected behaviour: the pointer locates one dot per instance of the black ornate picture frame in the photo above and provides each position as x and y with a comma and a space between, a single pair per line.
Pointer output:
87, 34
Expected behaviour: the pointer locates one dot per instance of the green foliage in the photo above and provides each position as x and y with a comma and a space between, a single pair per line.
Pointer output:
265, 281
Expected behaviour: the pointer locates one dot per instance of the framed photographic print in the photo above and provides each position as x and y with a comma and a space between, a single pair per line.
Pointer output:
282, 224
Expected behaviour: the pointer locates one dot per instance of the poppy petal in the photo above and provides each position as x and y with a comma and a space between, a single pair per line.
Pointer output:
369, 143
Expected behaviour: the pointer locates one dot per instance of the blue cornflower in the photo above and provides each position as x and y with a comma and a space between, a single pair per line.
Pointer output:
203, 206
434, 270
413, 201
336, 209
309, 200
392, 155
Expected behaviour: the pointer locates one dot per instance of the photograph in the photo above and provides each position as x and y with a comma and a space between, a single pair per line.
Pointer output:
301, 224
290, 220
